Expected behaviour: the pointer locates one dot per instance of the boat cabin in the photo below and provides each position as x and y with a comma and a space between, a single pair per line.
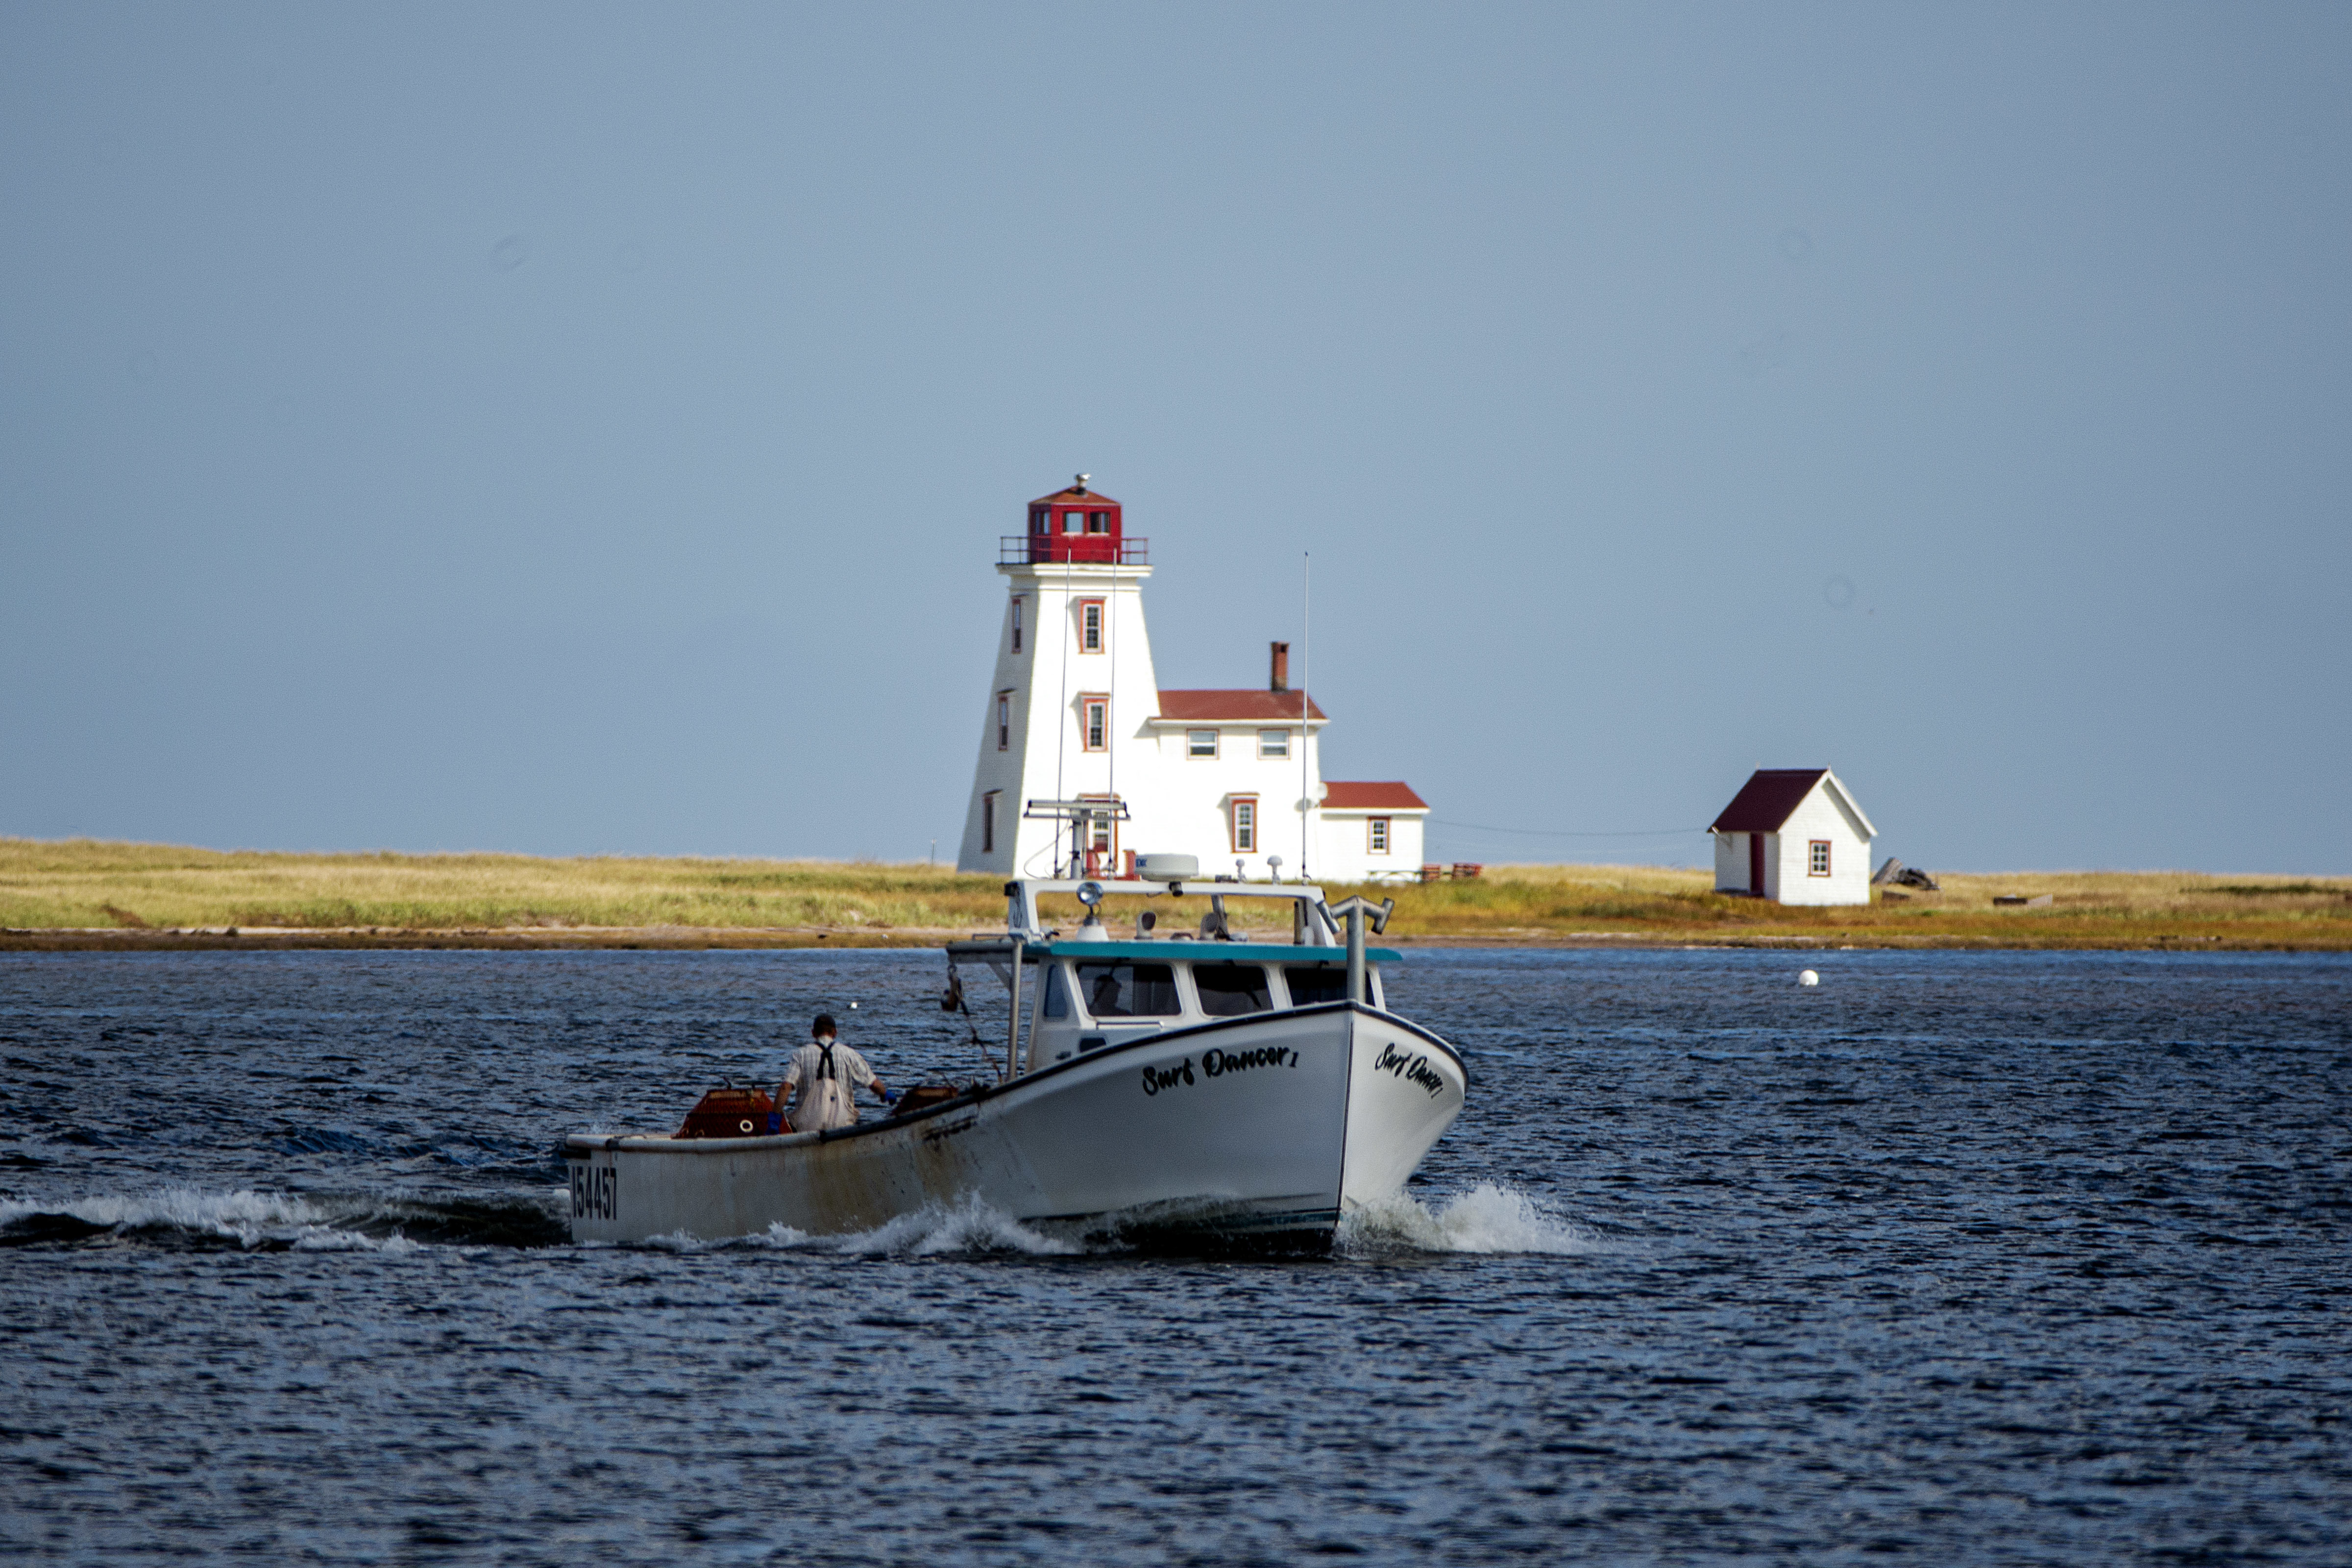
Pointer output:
1084, 990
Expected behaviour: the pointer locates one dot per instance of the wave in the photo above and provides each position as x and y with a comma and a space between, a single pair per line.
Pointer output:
970, 1227
279, 1222
1486, 1219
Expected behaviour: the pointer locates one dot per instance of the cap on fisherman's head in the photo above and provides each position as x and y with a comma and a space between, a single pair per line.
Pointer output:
823, 1027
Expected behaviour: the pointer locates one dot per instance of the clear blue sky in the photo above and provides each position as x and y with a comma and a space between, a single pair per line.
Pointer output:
573, 429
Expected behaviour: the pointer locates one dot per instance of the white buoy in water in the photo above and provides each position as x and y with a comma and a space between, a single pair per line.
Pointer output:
1805, 978
853, 1006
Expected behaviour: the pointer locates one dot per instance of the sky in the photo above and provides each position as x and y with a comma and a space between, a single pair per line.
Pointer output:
587, 430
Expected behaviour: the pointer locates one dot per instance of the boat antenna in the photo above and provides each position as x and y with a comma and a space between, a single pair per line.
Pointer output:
1110, 712
1306, 654
1062, 722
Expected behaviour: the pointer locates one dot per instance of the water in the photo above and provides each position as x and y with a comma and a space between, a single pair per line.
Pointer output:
1957, 1258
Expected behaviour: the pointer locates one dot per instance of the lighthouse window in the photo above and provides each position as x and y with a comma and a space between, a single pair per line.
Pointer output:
1004, 720
1041, 521
1090, 625
1097, 523
1093, 729
1200, 742
988, 822
1074, 523
1274, 742
1017, 626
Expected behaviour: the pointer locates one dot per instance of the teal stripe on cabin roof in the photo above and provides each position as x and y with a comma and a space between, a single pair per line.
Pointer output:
1212, 952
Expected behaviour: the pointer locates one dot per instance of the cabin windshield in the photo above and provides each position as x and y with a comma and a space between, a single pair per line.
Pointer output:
1318, 983
1125, 989
1231, 990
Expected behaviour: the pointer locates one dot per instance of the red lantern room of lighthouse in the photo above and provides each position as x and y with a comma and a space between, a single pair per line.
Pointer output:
1074, 524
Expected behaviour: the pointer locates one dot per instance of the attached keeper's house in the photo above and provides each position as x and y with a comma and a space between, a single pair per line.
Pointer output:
1795, 835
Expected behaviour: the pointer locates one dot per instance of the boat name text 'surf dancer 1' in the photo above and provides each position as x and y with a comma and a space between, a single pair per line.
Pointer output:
1187, 1084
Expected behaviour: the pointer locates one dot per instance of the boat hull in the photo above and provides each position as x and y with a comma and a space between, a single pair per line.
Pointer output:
1266, 1127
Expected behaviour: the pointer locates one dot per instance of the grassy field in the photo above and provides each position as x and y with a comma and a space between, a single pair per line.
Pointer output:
82, 892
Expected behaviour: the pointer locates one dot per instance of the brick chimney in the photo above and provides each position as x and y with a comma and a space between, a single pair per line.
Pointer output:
1280, 678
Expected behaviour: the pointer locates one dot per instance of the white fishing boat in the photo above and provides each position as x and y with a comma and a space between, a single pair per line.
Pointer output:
1153, 1084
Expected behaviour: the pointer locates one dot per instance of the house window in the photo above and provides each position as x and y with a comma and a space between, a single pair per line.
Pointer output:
1378, 828
1017, 626
1243, 812
988, 822
1200, 742
1004, 720
1274, 742
1818, 858
1090, 625
1093, 723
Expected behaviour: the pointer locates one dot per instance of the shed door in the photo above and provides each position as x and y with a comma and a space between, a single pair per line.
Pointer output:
1756, 864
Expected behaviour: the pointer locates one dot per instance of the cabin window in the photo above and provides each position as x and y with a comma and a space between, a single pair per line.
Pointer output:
1057, 995
1817, 862
1378, 835
1230, 989
1090, 625
1017, 626
988, 822
1320, 983
1274, 742
1093, 723
1127, 990
1003, 720
1244, 819
1201, 742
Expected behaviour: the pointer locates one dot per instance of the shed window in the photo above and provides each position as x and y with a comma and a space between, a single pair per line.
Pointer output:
1230, 989
1818, 858
1200, 742
1126, 990
1378, 830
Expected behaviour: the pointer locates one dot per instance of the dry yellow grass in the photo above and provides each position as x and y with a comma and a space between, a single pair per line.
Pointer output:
87, 883
48, 887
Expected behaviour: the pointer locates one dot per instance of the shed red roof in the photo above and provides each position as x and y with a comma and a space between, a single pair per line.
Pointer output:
1250, 706
1767, 797
1383, 795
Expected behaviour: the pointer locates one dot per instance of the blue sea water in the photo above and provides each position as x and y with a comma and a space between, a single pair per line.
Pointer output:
1956, 1259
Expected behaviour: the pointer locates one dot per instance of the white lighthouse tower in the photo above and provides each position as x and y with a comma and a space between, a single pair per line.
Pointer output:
1072, 691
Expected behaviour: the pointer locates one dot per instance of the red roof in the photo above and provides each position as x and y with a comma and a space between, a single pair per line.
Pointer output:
1767, 797
1251, 706
1073, 496
1383, 795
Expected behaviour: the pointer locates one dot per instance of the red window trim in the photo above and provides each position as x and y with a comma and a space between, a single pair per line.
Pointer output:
1102, 626
1087, 699
1233, 822
1823, 845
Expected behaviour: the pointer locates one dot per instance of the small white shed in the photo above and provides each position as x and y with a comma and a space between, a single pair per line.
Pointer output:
1795, 835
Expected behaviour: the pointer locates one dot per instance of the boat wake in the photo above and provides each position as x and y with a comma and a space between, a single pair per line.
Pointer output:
971, 1227
1485, 1219
191, 1218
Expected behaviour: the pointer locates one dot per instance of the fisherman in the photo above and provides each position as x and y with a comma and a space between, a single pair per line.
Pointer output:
827, 1076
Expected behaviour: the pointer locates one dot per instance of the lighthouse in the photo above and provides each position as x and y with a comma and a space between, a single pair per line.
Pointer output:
1085, 761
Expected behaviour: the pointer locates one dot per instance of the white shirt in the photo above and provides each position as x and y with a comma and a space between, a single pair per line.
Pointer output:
827, 1098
